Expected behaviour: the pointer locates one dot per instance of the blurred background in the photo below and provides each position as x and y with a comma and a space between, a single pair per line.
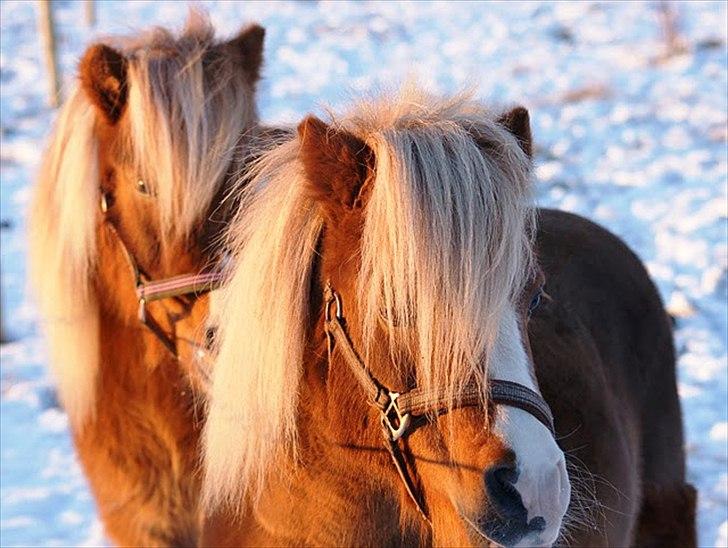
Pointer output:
629, 110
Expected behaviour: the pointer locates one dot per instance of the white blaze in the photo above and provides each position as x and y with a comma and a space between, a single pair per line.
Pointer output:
542, 482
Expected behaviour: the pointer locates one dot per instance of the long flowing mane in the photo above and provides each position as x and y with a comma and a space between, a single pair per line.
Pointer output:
446, 246
186, 116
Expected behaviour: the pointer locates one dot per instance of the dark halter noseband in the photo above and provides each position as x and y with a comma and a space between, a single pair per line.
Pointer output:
148, 290
398, 411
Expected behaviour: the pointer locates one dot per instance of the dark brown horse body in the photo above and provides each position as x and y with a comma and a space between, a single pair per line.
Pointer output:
603, 352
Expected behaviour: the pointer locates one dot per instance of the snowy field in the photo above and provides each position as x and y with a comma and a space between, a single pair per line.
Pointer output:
625, 135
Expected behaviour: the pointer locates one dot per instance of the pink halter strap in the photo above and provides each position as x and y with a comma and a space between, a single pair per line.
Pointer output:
179, 285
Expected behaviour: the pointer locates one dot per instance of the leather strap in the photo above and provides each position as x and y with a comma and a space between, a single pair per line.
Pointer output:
516, 395
377, 394
503, 392
403, 469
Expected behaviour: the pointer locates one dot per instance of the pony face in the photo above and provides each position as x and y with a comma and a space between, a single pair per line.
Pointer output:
132, 236
166, 150
488, 474
138, 160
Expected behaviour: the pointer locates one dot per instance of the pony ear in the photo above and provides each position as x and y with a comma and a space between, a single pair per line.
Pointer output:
103, 72
248, 44
336, 163
518, 123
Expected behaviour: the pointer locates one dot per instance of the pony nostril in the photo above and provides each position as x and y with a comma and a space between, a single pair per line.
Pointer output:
506, 522
500, 482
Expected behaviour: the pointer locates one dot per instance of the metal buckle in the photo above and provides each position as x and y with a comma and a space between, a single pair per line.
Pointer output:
142, 310
392, 415
332, 297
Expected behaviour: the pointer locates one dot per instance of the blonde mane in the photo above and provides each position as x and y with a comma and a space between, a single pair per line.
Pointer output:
186, 118
446, 246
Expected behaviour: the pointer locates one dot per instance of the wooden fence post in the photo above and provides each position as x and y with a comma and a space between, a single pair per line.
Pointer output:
90, 12
47, 32
675, 43
3, 335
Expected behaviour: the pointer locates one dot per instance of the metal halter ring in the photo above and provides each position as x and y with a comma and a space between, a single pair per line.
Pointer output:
142, 312
394, 421
333, 298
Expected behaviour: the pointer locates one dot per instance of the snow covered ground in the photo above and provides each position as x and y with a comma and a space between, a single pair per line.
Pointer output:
624, 136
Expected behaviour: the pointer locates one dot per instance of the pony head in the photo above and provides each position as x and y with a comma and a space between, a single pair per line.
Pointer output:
134, 173
418, 212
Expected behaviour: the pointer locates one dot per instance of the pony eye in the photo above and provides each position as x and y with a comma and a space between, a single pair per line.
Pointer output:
142, 187
535, 301
210, 333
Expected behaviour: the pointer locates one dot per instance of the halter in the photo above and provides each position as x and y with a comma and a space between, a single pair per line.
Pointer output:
399, 411
148, 290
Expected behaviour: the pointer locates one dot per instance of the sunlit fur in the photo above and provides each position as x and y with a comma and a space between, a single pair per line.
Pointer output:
185, 125
446, 246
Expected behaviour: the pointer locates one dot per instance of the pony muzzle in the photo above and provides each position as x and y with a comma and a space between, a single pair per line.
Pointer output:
528, 498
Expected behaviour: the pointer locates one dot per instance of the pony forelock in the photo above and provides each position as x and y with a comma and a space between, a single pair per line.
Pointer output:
446, 247
446, 241
188, 112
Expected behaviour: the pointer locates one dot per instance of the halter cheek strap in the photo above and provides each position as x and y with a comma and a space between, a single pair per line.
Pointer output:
397, 410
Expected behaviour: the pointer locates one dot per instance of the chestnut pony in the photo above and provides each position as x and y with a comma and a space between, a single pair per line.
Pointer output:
133, 179
384, 271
